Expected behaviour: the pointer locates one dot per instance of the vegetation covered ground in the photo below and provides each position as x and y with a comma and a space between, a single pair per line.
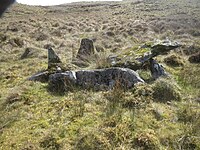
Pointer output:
162, 114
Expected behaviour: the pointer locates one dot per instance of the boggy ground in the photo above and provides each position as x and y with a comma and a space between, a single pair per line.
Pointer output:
164, 114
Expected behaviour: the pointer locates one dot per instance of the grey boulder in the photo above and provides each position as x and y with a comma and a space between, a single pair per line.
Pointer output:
100, 79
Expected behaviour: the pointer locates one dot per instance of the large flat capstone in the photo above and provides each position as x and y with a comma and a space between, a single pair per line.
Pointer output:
100, 79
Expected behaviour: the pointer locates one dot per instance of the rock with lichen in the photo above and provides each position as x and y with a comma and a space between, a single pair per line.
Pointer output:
53, 59
86, 49
99, 79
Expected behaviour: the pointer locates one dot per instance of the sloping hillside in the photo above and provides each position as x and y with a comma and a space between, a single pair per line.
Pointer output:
161, 114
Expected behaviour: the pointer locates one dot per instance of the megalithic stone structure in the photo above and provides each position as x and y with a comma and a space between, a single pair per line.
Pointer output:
160, 47
86, 49
53, 58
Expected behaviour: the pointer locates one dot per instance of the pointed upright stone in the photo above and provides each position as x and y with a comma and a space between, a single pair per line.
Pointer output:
53, 58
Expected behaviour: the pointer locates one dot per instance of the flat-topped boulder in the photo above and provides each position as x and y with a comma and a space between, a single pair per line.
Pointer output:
161, 47
86, 49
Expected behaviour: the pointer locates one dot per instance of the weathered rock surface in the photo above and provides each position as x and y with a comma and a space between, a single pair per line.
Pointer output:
99, 79
108, 78
86, 49
145, 55
53, 58
41, 77
156, 69
61, 82
161, 47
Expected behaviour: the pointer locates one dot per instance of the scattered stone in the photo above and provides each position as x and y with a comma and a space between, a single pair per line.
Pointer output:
86, 49
195, 58
41, 77
99, 79
53, 58
61, 80
28, 52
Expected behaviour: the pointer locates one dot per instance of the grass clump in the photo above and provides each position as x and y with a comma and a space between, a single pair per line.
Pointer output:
139, 97
174, 61
102, 60
188, 112
146, 140
50, 143
92, 141
165, 90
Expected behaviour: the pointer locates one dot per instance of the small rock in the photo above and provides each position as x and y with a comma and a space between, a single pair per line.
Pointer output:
28, 52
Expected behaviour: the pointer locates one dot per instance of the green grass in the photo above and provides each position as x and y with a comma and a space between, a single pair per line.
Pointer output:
138, 118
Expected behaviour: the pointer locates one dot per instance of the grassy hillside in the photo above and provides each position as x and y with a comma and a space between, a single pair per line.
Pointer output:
163, 114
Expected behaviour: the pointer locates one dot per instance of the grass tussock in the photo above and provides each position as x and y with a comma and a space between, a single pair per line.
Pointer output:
166, 90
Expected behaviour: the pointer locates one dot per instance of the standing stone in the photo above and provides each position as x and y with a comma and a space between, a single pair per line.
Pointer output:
156, 69
53, 58
86, 49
